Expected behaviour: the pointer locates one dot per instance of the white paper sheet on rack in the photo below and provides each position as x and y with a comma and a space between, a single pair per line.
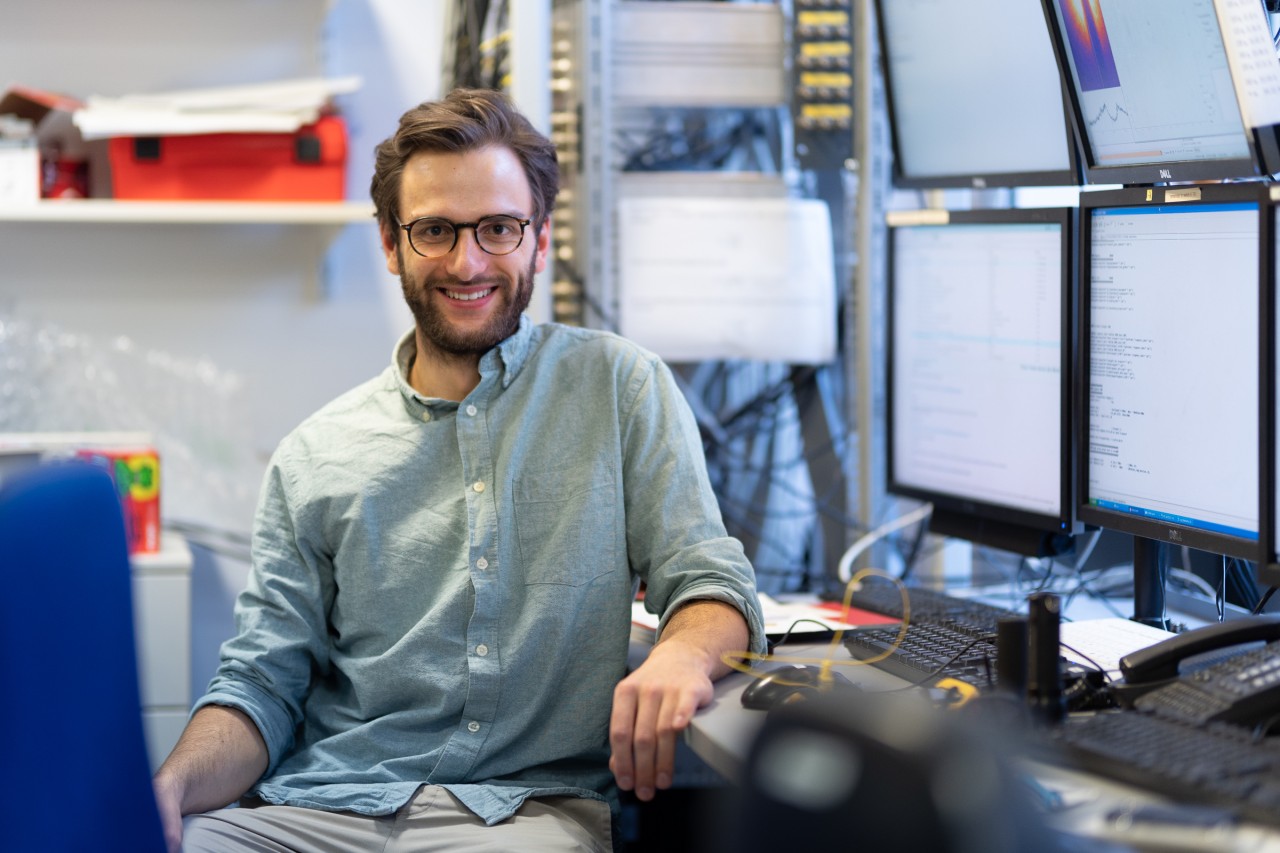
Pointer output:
1251, 55
275, 107
709, 278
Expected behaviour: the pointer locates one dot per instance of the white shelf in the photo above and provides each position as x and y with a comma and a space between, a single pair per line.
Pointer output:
192, 212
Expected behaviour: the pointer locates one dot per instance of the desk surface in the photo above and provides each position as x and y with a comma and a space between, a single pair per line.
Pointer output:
722, 732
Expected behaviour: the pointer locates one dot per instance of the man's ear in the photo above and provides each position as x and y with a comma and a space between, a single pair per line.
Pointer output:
544, 245
390, 242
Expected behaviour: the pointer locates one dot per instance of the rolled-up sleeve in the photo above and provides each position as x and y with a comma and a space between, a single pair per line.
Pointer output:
676, 538
280, 642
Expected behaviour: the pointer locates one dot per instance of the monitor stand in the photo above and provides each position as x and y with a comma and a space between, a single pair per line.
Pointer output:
1150, 571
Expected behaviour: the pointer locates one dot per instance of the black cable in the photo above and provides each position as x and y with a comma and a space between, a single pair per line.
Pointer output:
1093, 663
828, 630
1242, 583
570, 272
1085, 585
913, 553
470, 16
1220, 594
944, 666
500, 52
1262, 602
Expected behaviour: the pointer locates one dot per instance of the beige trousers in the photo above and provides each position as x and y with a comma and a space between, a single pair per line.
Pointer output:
434, 821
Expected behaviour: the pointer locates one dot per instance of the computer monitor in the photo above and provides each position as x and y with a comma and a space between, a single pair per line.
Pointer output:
1172, 331
974, 95
1151, 93
1268, 573
979, 373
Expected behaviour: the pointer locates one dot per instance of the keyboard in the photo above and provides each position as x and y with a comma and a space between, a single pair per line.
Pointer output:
930, 606
947, 636
930, 652
1217, 764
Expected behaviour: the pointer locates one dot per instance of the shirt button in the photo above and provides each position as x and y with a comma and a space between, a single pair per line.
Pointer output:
482, 650
482, 563
478, 486
471, 410
473, 727
426, 417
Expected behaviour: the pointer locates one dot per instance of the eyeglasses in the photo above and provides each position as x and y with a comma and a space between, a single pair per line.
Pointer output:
434, 237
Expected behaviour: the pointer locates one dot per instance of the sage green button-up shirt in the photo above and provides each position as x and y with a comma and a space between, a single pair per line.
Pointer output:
441, 591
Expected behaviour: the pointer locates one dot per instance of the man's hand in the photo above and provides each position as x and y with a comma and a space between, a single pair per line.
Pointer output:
653, 704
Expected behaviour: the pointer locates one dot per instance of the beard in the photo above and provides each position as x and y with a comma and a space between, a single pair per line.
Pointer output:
447, 338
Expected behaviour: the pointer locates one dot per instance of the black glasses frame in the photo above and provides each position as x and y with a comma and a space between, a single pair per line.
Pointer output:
457, 229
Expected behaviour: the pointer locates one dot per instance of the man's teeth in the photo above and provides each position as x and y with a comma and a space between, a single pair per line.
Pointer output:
468, 297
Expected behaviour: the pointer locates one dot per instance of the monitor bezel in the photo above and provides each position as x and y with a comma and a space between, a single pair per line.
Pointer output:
968, 517
1159, 530
1132, 174
1069, 175
1267, 571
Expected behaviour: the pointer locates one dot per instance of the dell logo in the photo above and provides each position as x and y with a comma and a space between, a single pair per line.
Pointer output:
1166, 175
1174, 536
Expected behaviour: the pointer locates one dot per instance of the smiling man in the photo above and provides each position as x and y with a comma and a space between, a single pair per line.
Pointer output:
432, 646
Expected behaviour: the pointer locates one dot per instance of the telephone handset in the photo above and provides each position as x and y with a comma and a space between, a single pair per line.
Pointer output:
1160, 661
1243, 688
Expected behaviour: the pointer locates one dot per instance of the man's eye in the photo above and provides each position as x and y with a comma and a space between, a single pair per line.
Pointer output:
503, 229
433, 231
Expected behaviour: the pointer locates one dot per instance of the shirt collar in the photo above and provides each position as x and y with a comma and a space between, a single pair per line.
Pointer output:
510, 354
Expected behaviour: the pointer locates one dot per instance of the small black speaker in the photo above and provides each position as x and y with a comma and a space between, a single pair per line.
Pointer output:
1011, 655
1044, 657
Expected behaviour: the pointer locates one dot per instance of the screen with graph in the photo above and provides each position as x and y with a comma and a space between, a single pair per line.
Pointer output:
1151, 91
979, 366
1173, 359
959, 117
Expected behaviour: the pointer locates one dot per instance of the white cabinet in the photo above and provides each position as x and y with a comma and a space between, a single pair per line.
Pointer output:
162, 632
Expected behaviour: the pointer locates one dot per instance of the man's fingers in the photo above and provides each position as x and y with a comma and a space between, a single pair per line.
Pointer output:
651, 707
621, 728
644, 741
676, 712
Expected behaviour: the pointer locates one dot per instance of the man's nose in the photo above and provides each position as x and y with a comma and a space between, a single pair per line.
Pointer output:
466, 257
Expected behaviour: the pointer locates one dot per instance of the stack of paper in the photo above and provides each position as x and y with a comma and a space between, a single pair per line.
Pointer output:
280, 107
1103, 642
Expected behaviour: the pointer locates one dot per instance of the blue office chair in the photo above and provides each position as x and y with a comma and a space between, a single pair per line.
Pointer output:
74, 773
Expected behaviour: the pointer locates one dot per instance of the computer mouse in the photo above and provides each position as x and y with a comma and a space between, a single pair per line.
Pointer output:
790, 683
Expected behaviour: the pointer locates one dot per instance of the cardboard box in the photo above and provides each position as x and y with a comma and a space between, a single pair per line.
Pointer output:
136, 472
308, 165
64, 163
19, 172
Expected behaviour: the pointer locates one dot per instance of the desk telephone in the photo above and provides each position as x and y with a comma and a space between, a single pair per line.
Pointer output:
1242, 687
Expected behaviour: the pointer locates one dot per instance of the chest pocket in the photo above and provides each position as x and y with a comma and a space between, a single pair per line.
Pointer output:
567, 524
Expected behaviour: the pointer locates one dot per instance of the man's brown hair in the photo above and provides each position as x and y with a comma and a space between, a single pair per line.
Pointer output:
464, 120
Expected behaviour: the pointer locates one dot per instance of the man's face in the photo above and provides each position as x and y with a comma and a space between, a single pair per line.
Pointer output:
467, 301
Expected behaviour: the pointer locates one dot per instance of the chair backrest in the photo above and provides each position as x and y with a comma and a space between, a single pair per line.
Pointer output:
74, 773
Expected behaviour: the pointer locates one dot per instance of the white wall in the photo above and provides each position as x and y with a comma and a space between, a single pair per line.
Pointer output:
298, 314
239, 301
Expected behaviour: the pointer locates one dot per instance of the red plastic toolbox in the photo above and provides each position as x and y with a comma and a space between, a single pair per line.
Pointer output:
307, 165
